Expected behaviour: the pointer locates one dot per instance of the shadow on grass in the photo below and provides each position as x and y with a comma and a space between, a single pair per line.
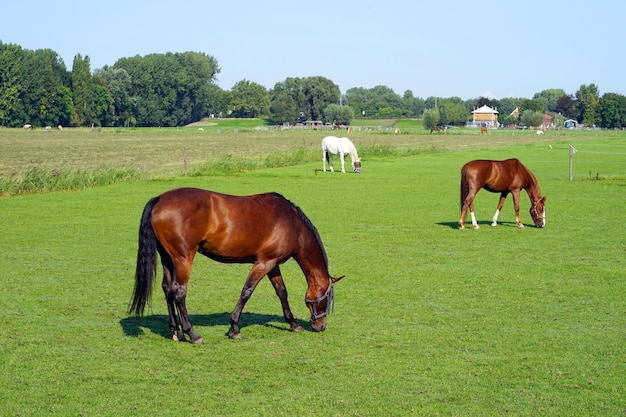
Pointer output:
486, 223
159, 323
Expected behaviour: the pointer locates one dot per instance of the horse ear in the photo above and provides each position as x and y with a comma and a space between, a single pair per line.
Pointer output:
335, 279
544, 199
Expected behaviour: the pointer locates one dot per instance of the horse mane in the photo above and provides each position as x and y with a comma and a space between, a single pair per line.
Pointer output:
354, 155
308, 224
533, 184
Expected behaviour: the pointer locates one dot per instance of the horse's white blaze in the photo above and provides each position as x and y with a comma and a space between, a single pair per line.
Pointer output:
332, 145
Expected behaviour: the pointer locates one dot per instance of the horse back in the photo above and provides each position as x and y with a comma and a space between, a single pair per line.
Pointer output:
336, 145
495, 176
227, 228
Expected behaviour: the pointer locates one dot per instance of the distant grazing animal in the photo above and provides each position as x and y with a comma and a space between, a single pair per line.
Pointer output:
332, 145
264, 230
28, 127
504, 177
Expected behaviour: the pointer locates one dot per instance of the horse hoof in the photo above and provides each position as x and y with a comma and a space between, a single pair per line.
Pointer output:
477, 227
179, 337
234, 335
296, 328
197, 341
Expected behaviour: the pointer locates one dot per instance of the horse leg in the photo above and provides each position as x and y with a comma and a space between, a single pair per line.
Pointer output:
343, 168
168, 273
177, 292
494, 221
468, 204
324, 161
174, 319
258, 271
330, 161
281, 291
516, 206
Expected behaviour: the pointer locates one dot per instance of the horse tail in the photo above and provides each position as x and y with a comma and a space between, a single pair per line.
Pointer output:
464, 185
146, 261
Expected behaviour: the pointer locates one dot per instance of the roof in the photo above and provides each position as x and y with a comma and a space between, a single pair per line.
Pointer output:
485, 109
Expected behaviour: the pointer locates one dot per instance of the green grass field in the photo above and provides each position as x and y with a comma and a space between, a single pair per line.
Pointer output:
430, 320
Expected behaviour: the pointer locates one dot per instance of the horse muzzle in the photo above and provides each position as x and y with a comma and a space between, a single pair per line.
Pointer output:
318, 316
319, 325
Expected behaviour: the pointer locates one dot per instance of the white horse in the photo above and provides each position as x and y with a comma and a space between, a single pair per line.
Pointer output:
332, 145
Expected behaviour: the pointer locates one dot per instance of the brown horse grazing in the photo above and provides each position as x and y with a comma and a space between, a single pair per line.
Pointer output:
264, 230
503, 177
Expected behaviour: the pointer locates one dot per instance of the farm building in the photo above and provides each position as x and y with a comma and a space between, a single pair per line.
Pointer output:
485, 116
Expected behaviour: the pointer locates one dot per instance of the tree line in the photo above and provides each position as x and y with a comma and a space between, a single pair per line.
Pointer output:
175, 89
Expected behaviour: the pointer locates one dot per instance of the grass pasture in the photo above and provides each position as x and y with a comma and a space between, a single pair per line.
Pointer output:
429, 321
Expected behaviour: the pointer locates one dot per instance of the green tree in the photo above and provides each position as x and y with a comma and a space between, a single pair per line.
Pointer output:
588, 98
336, 114
506, 105
412, 106
379, 101
533, 105
217, 100
432, 102
309, 95
285, 100
12, 110
612, 110
318, 93
361, 101
431, 118
169, 89
249, 99
452, 111
118, 84
548, 98
102, 106
82, 91
31, 86
532, 118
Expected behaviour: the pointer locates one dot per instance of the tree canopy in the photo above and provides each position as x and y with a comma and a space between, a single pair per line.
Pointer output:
175, 89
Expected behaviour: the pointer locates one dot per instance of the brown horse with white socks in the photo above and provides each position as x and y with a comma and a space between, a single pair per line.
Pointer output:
264, 230
504, 177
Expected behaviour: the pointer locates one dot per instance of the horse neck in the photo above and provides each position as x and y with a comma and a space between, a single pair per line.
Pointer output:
534, 193
313, 266
310, 253
354, 155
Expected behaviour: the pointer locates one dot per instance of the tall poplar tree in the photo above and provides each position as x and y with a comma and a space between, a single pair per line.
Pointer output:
588, 98
82, 91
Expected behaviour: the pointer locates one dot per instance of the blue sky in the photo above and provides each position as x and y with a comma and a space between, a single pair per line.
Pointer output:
436, 48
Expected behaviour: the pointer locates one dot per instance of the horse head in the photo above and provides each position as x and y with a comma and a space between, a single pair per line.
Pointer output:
321, 306
356, 165
538, 212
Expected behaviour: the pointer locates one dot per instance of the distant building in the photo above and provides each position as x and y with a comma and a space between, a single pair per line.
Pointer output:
570, 124
485, 116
